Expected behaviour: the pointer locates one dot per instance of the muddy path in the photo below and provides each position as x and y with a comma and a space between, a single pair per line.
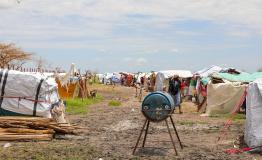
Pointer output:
115, 130
111, 133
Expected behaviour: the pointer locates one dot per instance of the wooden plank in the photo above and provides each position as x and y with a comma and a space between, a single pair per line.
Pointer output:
23, 118
27, 131
41, 137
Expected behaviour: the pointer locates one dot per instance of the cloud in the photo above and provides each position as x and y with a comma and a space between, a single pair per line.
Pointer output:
137, 28
106, 14
141, 61
134, 61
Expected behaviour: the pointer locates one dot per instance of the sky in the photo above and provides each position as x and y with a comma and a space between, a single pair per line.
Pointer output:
136, 35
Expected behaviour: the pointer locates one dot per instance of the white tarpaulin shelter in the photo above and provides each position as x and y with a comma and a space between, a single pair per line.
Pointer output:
65, 78
111, 77
140, 75
253, 129
208, 71
27, 93
163, 76
222, 98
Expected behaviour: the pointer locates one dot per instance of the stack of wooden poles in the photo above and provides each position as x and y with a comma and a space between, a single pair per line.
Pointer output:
32, 129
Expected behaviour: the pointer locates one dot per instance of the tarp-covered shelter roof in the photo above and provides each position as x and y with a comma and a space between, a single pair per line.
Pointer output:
208, 71
180, 73
242, 77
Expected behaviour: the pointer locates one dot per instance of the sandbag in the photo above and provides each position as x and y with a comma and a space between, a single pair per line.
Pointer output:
253, 129
27, 93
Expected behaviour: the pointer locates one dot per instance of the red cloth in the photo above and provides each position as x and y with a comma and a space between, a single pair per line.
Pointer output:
237, 151
203, 90
183, 84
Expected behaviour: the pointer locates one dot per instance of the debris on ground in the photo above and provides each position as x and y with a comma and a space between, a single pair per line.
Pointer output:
32, 129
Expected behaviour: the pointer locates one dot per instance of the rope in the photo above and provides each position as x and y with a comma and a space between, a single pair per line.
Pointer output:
25, 98
228, 123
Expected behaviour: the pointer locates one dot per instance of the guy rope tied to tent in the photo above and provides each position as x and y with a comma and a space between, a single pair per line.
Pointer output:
234, 112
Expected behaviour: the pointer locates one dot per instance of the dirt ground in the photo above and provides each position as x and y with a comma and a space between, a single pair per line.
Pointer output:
111, 133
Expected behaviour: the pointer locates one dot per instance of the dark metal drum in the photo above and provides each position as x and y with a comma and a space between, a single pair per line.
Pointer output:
158, 106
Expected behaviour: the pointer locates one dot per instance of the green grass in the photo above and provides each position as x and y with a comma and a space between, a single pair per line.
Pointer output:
114, 103
190, 123
79, 106
237, 117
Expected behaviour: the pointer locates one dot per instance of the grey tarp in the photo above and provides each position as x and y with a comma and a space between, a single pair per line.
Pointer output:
27, 93
253, 129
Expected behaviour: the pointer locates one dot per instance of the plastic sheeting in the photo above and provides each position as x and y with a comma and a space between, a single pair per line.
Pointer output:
25, 86
242, 77
223, 97
111, 77
180, 73
140, 75
65, 79
162, 77
253, 129
208, 71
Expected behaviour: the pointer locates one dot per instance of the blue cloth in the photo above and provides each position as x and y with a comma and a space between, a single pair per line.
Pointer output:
115, 79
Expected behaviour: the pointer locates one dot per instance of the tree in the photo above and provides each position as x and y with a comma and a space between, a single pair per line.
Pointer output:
12, 56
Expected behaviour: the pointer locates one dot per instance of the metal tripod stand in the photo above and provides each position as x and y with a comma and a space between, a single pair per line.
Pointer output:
145, 128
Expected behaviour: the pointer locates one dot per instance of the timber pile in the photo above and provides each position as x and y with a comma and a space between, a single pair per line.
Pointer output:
32, 129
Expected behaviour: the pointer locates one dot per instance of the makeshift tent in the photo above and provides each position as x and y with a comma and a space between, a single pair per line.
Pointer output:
67, 83
209, 71
253, 129
68, 90
223, 97
242, 77
163, 76
27, 93
116, 77
140, 75
107, 78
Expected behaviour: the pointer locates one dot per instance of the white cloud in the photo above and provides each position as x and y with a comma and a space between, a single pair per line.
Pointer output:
75, 24
111, 11
135, 61
141, 61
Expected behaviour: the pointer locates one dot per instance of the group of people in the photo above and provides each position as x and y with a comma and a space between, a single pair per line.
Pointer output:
189, 89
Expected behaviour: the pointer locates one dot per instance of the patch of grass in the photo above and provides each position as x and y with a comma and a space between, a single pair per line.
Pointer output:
237, 117
79, 106
190, 123
114, 103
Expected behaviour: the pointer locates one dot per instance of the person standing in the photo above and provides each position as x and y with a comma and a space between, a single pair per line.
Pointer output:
174, 90
183, 85
192, 88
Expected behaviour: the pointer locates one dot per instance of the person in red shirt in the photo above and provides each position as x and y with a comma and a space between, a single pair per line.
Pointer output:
183, 85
